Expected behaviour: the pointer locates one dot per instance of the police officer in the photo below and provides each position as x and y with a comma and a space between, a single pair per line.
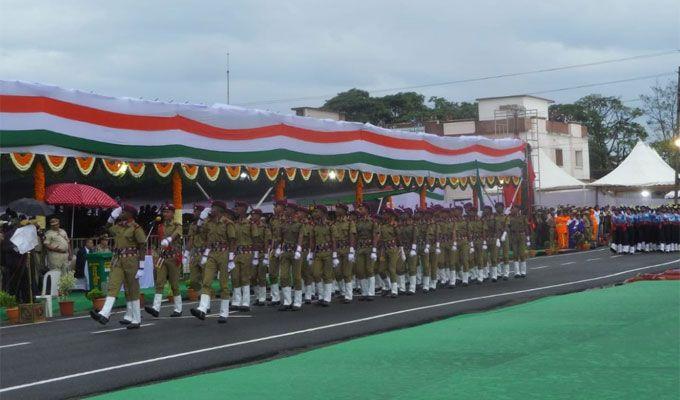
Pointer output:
519, 240
389, 253
478, 244
275, 224
493, 242
290, 260
127, 266
324, 254
218, 231
262, 237
461, 243
169, 263
368, 234
345, 232
408, 238
243, 257
501, 218
426, 238
194, 250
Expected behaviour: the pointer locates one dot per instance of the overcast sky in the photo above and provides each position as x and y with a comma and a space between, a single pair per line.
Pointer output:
289, 49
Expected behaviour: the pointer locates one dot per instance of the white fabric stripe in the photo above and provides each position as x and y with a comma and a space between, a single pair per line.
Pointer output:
232, 117
53, 150
29, 121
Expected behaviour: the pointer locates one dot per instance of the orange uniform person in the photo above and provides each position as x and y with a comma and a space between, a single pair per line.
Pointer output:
562, 231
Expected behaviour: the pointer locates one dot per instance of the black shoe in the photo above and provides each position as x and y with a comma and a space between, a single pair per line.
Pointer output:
275, 303
151, 311
324, 303
426, 291
176, 314
370, 298
402, 292
308, 301
362, 298
524, 275
285, 308
296, 308
98, 317
198, 314
465, 284
258, 303
451, 286
505, 278
222, 320
517, 276
207, 311
385, 293
494, 280
346, 301
133, 325
125, 322
410, 293
244, 309
234, 308
393, 296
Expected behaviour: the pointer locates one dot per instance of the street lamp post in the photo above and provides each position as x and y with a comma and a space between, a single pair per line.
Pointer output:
677, 166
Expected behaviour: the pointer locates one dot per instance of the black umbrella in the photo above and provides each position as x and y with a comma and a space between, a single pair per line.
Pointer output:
30, 207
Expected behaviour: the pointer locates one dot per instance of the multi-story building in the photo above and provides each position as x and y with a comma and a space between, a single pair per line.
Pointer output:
527, 118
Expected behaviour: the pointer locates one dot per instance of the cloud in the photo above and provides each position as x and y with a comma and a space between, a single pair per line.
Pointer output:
168, 50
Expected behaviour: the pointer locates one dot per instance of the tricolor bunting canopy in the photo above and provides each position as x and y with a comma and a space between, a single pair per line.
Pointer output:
50, 120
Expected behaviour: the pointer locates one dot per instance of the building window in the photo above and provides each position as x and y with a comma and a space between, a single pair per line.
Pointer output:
558, 157
578, 159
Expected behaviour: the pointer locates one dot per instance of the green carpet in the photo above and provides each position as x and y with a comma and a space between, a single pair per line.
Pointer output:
617, 343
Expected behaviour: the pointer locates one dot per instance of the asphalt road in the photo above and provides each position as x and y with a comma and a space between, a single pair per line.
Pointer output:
74, 357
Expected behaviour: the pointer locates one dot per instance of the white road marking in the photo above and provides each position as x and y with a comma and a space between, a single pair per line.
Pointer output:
593, 259
616, 256
315, 329
117, 329
542, 266
14, 345
569, 263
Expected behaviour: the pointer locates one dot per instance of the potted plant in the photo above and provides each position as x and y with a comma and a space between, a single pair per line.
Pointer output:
97, 297
9, 303
67, 282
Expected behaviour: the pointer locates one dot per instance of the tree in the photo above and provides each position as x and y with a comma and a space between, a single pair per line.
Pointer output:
405, 107
612, 129
358, 105
660, 109
445, 110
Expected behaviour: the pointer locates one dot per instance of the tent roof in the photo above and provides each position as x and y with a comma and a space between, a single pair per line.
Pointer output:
553, 177
642, 168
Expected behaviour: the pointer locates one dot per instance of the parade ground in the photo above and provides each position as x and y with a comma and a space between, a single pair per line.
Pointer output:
620, 342
579, 345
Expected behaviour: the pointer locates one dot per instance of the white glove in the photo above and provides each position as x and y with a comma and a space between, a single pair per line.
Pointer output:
298, 253
265, 260
374, 254
506, 211
484, 246
256, 258
185, 257
504, 236
412, 253
140, 270
166, 242
402, 254
204, 214
231, 265
336, 262
350, 255
528, 241
427, 249
310, 257
437, 249
472, 247
454, 247
498, 243
204, 259
115, 214
414, 247
277, 252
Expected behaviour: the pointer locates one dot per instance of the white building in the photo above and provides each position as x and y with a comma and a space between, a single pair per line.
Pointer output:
318, 113
526, 117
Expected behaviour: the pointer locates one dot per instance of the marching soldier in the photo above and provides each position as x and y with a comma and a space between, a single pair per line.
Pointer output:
242, 248
127, 267
504, 249
477, 244
461, 244
390, 253
310, 286
408, 238
493, 243
368, 234
324, 254
275, 224
290, 261
519, 240
345, 232
217, 230
261, 236
169, 263
445, 226
194, 250
426, 236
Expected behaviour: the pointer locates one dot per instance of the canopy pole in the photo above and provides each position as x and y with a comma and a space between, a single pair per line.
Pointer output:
280, 192
39, 181
423, 197
359, 191
177, 195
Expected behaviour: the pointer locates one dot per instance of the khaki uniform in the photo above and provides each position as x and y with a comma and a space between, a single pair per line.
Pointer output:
408, 236
129, 243
275, 224
518, 227
476, 230
502, 226
170, 258
306, 266
290, 268
196, 244
344, 232
427, 236
57, 259
462, 240
243, 253
217, 233
446, 257
261, 237
323, 249
367, 233
389, 255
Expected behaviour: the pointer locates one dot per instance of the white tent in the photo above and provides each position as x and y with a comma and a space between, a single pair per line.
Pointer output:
552, 177
642, 168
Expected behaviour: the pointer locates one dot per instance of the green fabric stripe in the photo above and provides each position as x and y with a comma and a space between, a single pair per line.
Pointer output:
434, 196
25, 138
